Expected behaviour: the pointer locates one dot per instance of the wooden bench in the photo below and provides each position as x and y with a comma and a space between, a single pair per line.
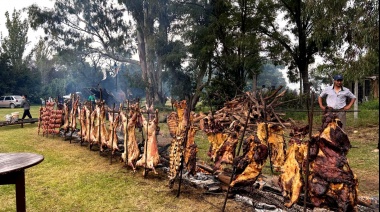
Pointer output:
21, 122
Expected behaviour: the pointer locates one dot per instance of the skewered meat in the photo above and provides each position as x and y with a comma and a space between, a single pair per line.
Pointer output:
94, 129
151, 157
130, 142
190, 155
172, 121
277, 145
216, 140
176, 152
249, 165
82, 121
331, 181
73, 115
66, 123
89, 124
103, 137
215, 135
291, 180
112, 139
181, 108
179, 124
226, 153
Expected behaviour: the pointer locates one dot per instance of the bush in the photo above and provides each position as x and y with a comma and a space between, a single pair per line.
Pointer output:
370, 105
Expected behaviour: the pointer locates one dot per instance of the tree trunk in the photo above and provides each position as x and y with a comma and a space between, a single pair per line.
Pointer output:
254, 84
301, 90
305, 80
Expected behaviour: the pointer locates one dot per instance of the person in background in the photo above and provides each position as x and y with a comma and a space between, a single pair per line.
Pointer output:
26, 105
264, 90
336, 99
91, 98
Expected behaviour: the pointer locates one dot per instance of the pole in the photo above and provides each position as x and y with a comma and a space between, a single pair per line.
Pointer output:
99, 129
238, 152
126, 133
310, 117
112, 131
89, 129
146, 144
80, 124
99, 134
266, 137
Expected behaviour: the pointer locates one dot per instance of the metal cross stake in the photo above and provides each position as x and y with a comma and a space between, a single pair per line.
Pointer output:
266, 137
112, 131
146, 145
126, 134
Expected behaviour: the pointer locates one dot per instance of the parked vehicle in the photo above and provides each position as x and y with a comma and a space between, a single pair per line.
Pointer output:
68, 96
11, 101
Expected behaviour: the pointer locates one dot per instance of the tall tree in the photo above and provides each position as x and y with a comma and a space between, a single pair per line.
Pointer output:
14, 44
43, 53
20, 79
88, 29
360, 46
297, 31
5, 73
222, 45
239, 55
153, 19
107, 28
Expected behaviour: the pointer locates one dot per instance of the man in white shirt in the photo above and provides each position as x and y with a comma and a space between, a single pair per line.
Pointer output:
336, 98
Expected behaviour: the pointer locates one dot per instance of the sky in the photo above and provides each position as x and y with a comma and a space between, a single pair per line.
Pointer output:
11, 5
33, 36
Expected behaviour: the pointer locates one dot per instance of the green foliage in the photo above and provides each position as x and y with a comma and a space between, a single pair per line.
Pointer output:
179, 84
370, 105
220, 41
133, 82
16, 77
292, 100
5, 73
220, 91
14, 44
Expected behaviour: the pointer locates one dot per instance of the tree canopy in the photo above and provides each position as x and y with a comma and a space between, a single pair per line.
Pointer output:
191, 49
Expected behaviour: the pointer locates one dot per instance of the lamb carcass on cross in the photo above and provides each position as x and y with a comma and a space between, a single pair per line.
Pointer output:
291, 181
151, 157
332, 183
131, 150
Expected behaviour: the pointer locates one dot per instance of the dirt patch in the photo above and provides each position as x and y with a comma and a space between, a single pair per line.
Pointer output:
365, 134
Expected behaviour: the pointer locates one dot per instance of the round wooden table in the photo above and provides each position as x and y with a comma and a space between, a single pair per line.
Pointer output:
12, 171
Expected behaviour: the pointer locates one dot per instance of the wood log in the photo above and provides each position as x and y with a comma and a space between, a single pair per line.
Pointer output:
206, 167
